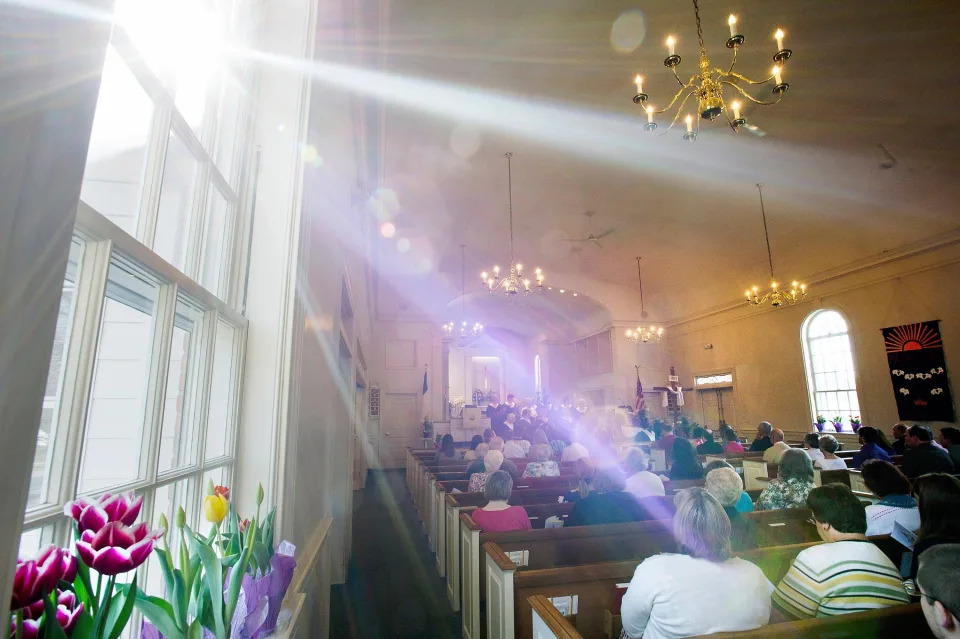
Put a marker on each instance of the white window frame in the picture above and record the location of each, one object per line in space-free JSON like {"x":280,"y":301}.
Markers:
{"x":808,"y":364}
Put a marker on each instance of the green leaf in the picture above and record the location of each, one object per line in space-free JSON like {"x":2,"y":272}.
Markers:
{"x":195,"y":631}
{"x":213,"y":580}
{"x":99,"y":619}
{"x":159,"y":613}
{"x":268,"y":526}
{"x":81,"y":585}
{"x":165,"y":569}
{"x":261,"y":555}
{"x":123,"y":615}
{"x":84,"y":624}
{"x":236,"y":577}
{"x":51,"y":629}
{"x":180,"y":599}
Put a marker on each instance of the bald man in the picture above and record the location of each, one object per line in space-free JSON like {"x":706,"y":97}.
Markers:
{"x":773,"y":454}
{"x":762,"y":441}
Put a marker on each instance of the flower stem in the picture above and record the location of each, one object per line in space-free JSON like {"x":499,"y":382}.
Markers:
{"x":96,"y":598}
{"x":19,"y":631}
{"x":107,"y":599}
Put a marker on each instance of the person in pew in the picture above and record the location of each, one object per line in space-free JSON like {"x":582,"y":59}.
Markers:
{"x":608,"y":503}
{"x":685,"y":463}
{"x":828,"y":446}
{"x":940,"y":590}
{"x":585,"y":472}
{"x":702,"y":589}
{"x":725,"y":484}
{"x":896,"y":505}
{"x":575,"y":450}
{"x":811,"y":446}
{"x":950,"y":439}
{"x":762,"y":441}
{"x":514,"y":448}
{"x":938,"y":497}
{"x":710,"y":445}
{"x":476,"y":466}
{"x":665,"y":442}
{"x":744,"y":503}
{"x":793,"y":483}
{"x":846,"y":574}
{"x":497,"y":443}
{"x":448,"y":449}
{"x":873,"y":445}
{"x":492,"y":462}
{"x":471,"y":454}
{"x":922,"y":455}
{"x":899,"y":439}
{"x":641,"y":482}
{"x":498,"y":515}
{"x":524,"y":426}
{"x":773,"y":454}
{"x":731,"y":441}
{"x":540,"y":464}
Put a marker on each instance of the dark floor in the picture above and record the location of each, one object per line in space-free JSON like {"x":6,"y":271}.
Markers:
{"x":392,"y":587}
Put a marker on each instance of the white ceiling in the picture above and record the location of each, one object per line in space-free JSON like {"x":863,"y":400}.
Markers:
{"x":541,"y":78}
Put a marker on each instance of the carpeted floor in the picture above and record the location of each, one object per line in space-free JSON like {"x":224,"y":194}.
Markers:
{"x":392,"y":587}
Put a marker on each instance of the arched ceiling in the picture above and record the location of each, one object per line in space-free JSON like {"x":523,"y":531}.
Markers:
{"x":541,"y":78}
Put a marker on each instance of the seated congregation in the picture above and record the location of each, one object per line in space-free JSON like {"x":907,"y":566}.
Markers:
{"x":845,"y":564}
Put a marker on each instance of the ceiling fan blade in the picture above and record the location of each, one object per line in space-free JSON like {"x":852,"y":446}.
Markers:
{"x":610,"y":231}
{"x":582,"y":239}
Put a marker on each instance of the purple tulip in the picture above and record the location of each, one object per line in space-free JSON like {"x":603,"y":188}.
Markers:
{"x":36,"y":578}
{"x":116,"y":548}
{"x":68,"y":610}
{"x":95,"y":514}
{"x":30,"y":628}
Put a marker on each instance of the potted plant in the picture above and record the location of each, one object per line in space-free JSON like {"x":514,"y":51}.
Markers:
{"x":855,"y":423}
{"x":837,"y":423}
{"x":819,"y":424}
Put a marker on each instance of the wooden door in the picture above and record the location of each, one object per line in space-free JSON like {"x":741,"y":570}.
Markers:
{"x":710,"y":407}
{"x":399,"y":428}
{"x":728,"y":408}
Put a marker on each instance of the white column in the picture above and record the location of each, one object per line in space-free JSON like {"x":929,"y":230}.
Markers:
{"x":49,"y":83}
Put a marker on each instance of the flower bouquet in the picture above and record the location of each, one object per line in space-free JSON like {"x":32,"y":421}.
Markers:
{"x":819,"y":424}
{"x":837,"y":423}
{"x":427,"y":428}
{"x":855,"y":423}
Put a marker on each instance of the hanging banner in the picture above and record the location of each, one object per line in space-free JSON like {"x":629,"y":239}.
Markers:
{"x":919,"y":372}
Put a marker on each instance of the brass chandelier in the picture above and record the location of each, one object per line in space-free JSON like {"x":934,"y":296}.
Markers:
{"x":707,"y":85}
{"x":643,"y":334}
{"x":514,"y":282}
{"x":776,"y":296}
{"x":465,"y":331}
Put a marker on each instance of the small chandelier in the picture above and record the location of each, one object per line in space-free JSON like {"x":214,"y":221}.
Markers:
{"x":464,"y":330}
{"x":643,"y":333}
{"x":776,"y":296}
{"x":514,"y":282}
{"x":707,"y":85}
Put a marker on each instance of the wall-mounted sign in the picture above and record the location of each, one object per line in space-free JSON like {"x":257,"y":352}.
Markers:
{"x":919,"y":372}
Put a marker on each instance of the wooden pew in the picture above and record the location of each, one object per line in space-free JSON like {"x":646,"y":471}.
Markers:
{"x":896,"y":622}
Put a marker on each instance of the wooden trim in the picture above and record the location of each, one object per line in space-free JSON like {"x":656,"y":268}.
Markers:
{"x":307,"y":561}
{"x":828,"y":626}
{"x":499,"y":557}
{"x":582,"y":572}
{"x":467,"y":522}
{"x":556,"y":622}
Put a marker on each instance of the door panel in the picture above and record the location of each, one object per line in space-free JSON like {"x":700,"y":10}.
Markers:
{"x":399,"y":428}
{"x":728,"y":408}
{"x":709,"y":408}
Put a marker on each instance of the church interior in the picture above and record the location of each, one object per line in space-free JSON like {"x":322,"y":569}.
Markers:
{"x":293,"y":293}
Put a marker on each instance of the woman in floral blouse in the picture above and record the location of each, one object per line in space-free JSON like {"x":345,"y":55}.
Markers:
{"x":540,"y":464}
{"x":792,"y":485}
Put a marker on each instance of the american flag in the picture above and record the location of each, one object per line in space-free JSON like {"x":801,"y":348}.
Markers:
{"x":640,"y":404}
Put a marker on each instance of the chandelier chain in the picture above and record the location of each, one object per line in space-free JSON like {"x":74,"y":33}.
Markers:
{"x":766,"y":234}
{"x":463,"y":279}
{"x":696,"y":13}
{"x":510,"y":202}
{"x":640,"y":279}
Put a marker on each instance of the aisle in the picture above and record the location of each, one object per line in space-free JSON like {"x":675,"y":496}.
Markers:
{"x":392,"y":587}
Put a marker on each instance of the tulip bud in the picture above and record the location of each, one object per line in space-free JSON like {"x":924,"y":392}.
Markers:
{"x":210,"y":487}
{"x":259,"y":493}
{"x":181,"y":518}
{"x":162,"y":523}
{"x":215,"y":508}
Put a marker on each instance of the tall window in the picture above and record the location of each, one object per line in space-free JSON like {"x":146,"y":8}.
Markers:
{"x":142,"y":391}
{"x":831,"y":377}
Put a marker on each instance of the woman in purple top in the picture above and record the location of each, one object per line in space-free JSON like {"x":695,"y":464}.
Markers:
{"x":873,"y":445}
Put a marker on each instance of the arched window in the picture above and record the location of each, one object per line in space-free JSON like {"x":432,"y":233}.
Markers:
{"x":831,"y":379}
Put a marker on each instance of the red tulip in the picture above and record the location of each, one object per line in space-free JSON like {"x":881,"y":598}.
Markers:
{"x":68,"y":610}
{"x":36,"y":578}
{"x":116,"y":548}
{"x":93,"y":514}
{"x":244,"y":525}
{"x":222,"y":490}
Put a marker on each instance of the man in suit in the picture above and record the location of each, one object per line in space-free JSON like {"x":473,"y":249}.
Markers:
{"x":762,"y":441}
{"x":899,"y":438}
{"x":922,"y":455}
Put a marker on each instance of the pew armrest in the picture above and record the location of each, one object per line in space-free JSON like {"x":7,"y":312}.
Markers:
{"x":548,"y":623}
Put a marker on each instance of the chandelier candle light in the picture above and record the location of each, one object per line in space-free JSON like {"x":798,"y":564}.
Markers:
{"x":643,"y":333}
{"x":707,"y":85}
{"x":465,"y":330}
{"x":775,"y":295}
{"x":514,"y":282}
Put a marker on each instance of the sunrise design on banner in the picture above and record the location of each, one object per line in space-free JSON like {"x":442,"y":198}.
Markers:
{"x":919,"y":372}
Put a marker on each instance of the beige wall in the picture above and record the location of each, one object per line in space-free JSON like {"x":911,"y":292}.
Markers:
{"x":762,"y":347}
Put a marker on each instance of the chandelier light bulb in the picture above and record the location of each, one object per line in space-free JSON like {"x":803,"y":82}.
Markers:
{"x":736,"y":109}
{"x":689,"y":121}
{"x":732,"y":21}
{"x":777,"y":74}
{"x":671,"y":45}
{"x":779,"y":37}
{"x":639,"y":82}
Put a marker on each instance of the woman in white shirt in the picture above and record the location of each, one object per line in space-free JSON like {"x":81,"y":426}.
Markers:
{"x":829,"y":445}
{"x":703,"y":589}
{"x":811,"y":446}
{"x":641,"y":482}
{"x":896,"y":505}
{"x":575,"y":450}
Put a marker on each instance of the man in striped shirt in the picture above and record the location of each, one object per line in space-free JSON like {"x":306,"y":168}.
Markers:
{"x":846,"y":574}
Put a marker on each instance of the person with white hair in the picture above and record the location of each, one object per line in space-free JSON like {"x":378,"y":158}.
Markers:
{"x":498,"y":515}
{"x":491,"y":464}
{"x":641,"y":482}
{"x":829,"y":445}
{"x":730,"y":594}
{"x":727,"y":487}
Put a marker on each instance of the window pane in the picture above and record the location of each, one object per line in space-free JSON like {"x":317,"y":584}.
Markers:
{"x":219,"y":476}
{"x":167,"y":501}
{"x":222,"y":393}
{"x":214,"y":242}
{"x":115,"y":421}
{"x":227,"y":126}
{"x":177,"y":440}
{"x":118,"y":145}
{"x":176,"y":203}
{"x":47,"y":434}
{"x":34,"y":540}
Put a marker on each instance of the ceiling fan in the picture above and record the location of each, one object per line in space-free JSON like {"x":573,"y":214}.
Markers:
{"x":591,"y":236}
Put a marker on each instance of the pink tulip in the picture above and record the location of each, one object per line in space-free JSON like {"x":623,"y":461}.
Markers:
{"x":29,"y":630}
{"x":36,"y":578}
{"x":116,"y":548}
{"x":68,"y":610}
{"x":95,"y":514}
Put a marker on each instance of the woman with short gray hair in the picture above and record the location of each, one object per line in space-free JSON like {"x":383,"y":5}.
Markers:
{"x":498,"y":515}
{"x":657,"y":603}
{"x":727,"y":487}
{"x":641,"y":483}
{"x":491,"y":463}
{"x":829,"y":445}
